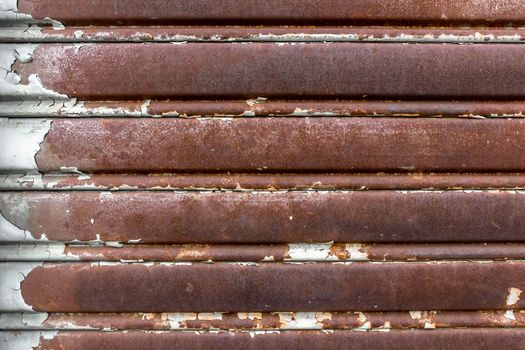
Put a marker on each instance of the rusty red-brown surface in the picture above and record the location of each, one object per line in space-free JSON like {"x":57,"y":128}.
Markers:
{"x":268,"y":182}
{"x":283,"y":145}
{"x":222,"y":217}
{"x":223,"y":287}
{"x":271,"y":11}
{"x":479,"y":339}
{"x":296,"y":193}
{"x":317,"y":70}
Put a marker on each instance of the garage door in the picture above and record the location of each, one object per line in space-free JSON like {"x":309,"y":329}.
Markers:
{"x":262,"y":174}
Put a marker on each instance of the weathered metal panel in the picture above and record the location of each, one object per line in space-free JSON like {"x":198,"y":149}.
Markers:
{"x":241,"y":287}
{"x":307,"y":70}
{"x":279,"y":217}
{"x":295,"y":193}
{"x":292,"y":252}
{"x":257,"y":11}
{"x":276,"y":321}
{"x":266,"y":182}
{"x":287,"y":145}
{"x":438,"y":339}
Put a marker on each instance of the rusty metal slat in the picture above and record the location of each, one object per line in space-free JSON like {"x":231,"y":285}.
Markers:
{"x":361,"y":321}
{"x":263,"y":145}
{"x":261,"y":108}
{"x":229,"y":70}
{"x":279,"y":217}
{"x":241,"y":287}
{"x":43,"y":33}
{"x":265,"y":182}
{"x":479,"y":339}
{"x":272,"y":11}
{"x":293,"y":252}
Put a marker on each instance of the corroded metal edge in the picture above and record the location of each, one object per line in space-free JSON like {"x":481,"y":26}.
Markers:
{"x":260,"y":107}
{"x":23,"y":32}
{"x":252,"y":182}
{"x":294,"y":252}
{"x":356,"y":320}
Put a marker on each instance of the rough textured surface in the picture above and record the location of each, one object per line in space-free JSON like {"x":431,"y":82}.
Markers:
{"x":283,"y":145}
{"x":295,"y":193}
{"x":223,"y":287}
{"x":229,"y":70}
{"x":257,"y":11}
{"x":221,"y":217}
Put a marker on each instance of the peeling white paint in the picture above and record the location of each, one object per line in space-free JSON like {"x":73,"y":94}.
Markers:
{"x":36,"y":252}
{"x":24,"y":340}
{"x":310,"y":251}
{"x":357,"y":252}
{"x":20,"y":142}
{"x":11,"y":276}
{"x":32,"y":179}
{"x":209,"y":316}
{"x":11,"y":233}
{"x":175,"y":319}
{"x":415,"y":315}
{"x":25,"y":321}
{"x":303,"y":320}
{"x":514,"y":296}
{"x":429,"y":325}
{"x":11,"y":81}
{"x":252,"y":316}
{"x":509,"y":314}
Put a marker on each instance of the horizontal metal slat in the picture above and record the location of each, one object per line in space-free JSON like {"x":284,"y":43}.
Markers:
{"x":257,"y":11}
{"x":240,"y":287}
{"x":289,"y":217}
{"x":359,"y":321}
{"x":263,"y":145}
{"x":479,"y":339}
{"x":19,"y":32}
{"x":293,"y":252}
{"x":265,"y":182}
{"x":261,"y":108}
{"x":229,"y":70}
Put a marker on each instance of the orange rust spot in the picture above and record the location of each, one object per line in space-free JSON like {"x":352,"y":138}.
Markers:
{"x":339,"y":250}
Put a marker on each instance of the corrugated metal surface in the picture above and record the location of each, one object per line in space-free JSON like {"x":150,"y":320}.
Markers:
{"x":262,"y":174}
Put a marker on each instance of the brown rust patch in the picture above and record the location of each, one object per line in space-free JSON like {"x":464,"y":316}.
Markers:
{"x":339,"y":250}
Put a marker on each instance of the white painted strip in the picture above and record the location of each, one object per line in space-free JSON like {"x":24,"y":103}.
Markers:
{"x":36,"y":252}
{"x":11,"y":276}
{"x":23,"y":321}
{"x":310,"y":251}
